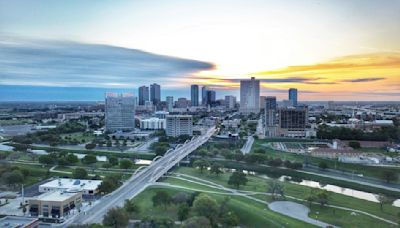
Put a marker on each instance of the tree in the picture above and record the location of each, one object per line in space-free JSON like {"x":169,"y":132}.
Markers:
{"x":180,"y":197}
{"x":109,"y":183}
{"x":72,"y":159}
{"x":183,"y":211}
{"x":389,"y":176}
{"x":382,"y":199}
{"x":89,"y":159}
{"x":323,"y":165}
{"x":201,"y":163}
{"x":237,"y":178}
{"x":125,"y":164}
{"x":216,"y":168}
{"x":131,"y":207}
{"x":276,"y":189}
{"x":310,"y":198}
{"x":355,"y":144}
{"x":113,"y":160}
{"x":46,"y":159}
{"x":13,"y":178}
{"x":230,"y":219}
{"x":79,"y":173}
{"x":206,"y":206}
{"x":197,"y":222}
{"x":161,"y":198}
{"x":109,"y":143}
{"x":90,"y":146}
{"x":322,"y":197}
{"x":116,"y":217}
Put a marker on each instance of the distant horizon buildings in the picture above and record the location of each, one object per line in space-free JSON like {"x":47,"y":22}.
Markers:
{"x":293,"y":96}
{"x":143,"y":95}
{"x":230,"y":102}
{"x":194,"y":95}
{"x":204,"y":95}
{"x":155,"y":93}
{"x":119,"y":112}
{"x":250,"y":96}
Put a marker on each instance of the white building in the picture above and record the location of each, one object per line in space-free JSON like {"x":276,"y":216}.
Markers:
{"x":250,"y":96}
{"x":88,"y":187}
{"x":152,"y":124}
{"x":119,"y":112}
{"x":179,"y":125}
{"x":161,"y":114}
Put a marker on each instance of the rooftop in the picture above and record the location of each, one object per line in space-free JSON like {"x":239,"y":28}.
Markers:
{"x":67,"y":183}
{"x":16,"y":221}
{"x":56,"y":196}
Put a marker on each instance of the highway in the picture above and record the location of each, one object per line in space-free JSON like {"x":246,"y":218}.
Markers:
{"x":139,"y":181}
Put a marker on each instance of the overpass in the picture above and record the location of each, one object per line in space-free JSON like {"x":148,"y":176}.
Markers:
{"x":139,"y":181}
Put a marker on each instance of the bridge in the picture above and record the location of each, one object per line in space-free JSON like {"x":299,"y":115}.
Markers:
{"x":139,"y":181}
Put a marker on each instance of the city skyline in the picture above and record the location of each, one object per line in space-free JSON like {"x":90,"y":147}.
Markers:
{"x":328,"y":50}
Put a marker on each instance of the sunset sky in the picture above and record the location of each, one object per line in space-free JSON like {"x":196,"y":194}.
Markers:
{"x":328,"y":49}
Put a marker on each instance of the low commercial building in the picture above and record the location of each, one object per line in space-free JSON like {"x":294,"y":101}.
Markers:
{"x":19,"y":222}
{"x":55,"y":205}
{"x":152,"y":124}
{"x":87,"y":187}
{"x":178,"y":125}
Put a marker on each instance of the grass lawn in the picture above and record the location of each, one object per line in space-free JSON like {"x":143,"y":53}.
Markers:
{"x":86,"y":137}
{"x":250,"y":213}
{"x":259,"y":184}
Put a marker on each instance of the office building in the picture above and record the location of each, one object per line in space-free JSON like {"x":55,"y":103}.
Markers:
{"x":178,"y":125}
{"x":119,"y":112}
{"x":87,"y":187}
{"x":143,"y":95}
{"x":55,"y":204}
{"x":210,"y":97}
{"x":293,"y":121}
{"x":182,"y":103}
{"x":155,"y":93}
{"x":194,"y":95}
{"x":170,"y":103}
{"x":293,"y":96}
{"x":250,"y":96}
{"x":270,"y":111}
{"x":204,"y":90}
{"x":19,"y":222}
{"x":230,"y":102}
{"x":152,"y":124}
{"x":262,"y":102}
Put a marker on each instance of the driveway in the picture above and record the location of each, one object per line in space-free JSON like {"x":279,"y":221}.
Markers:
{"x":297,"y":211}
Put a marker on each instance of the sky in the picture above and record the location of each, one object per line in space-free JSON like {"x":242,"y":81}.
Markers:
{"x":329,"y":50}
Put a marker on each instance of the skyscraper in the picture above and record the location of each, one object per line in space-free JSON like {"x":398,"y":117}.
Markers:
{"x":194,"y":95}
{"x":210,"y":97}
{"x":143,"y":95}
{"x":250,"y":96}
{"x":170,"y":103}
{"x":270,"y":111}
{"x":155,"y":93}
{"x":204,"y":95}
{"x":293,"y":96}
{"x":230,"y":102}
{"x":119,"y":112}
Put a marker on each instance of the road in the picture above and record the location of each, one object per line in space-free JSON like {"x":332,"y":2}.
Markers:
{"x":137,"y":183}
{"x":247,"y":146}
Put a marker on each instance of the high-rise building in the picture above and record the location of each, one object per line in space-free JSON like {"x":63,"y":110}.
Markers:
{"x":178,"y":125}
{"x":250,"y":96}
{"x":270,"y":111}
{"x":182,"y":103}
{"x":211,"y":97}
{"x":293,"y":96}
{"x":194,"y":95}
{"x":155,"y":93}
{"x":119,"y":112}
{"x":293,"y":122}
{"x":143,"y":95}
{"x":170,"y":103}
{"x":262,"y":102}
{"x":230,"y":102}
{"x":204,"y":90}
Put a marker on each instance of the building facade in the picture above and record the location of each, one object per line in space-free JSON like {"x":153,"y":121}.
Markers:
{"x":170,"y":103}
{"x":204,"y":90}
{"x":155,"y":93}
{"x":119,"y":112}
{"x":178,"y":125}
{"x":293,"y":122}
{"x":293,"y":96}
{"x":250,"y":96}
{"x":194,"y":95}
{"x":143,"y":95}
{"x":230,"y":102}
{"x":152,"y":124}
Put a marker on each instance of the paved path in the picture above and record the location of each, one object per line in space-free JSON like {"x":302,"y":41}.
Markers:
{"x":247,"y":146}
{"x":297,"y":211}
